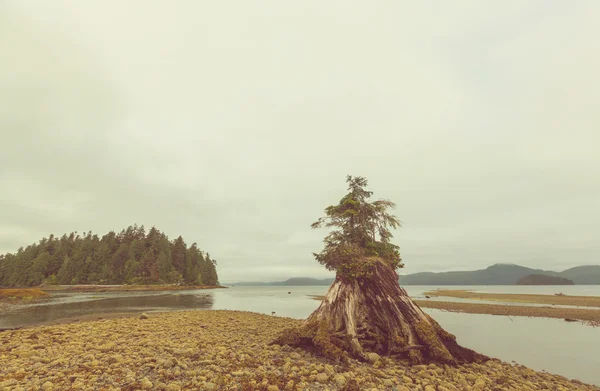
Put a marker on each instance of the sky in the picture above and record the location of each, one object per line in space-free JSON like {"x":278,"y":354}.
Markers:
{"x":234,"y":124}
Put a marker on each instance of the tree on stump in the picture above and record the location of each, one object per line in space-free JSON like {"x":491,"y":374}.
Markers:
{"x":365,"y":310}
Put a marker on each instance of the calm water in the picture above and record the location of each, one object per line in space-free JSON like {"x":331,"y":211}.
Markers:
{"x":569,"y":349}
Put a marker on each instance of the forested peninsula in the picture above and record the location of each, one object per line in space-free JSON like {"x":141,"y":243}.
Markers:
{"x":131,"y":256}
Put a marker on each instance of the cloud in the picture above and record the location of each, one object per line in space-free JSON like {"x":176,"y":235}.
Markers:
{"x":234,"y":125}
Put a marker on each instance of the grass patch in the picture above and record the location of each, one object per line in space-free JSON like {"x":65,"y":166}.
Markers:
{"x":25,"y":293}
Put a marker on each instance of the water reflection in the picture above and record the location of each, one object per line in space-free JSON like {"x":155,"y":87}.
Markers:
{"x":568,"y":349}
{"x":49,"y":311}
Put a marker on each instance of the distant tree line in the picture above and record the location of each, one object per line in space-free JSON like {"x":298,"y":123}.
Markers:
{"x":129,"y":257}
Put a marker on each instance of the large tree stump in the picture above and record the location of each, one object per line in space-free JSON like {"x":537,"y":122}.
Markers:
{"x":376,"y":315}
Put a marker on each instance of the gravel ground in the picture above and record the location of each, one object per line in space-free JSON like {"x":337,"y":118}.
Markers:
{"x":222,"y":350}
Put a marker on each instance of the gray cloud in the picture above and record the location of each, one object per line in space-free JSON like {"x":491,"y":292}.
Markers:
{"x":234,"y":124}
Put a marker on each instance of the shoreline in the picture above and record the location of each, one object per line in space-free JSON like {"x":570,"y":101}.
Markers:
{"x":556,"y":299}
{"x":125,"y":288}
{"x":586,"y":316}
{"x":223,"y":350}
{"x":590,"y":317}
{"x":11,"y":298}
{"x":77,"y":319}
{"x":22,"y":293}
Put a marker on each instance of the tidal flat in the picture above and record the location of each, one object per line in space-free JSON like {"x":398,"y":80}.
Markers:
{"x":13,"y":298}
{"x":21,"y":293}
{"x":556,"y":299}
{"x":126,"y":288}
{"x":585,"y":315}
{"x":223,"y":350}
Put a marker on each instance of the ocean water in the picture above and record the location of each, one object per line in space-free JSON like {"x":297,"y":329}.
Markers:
{"x":568,"y":349}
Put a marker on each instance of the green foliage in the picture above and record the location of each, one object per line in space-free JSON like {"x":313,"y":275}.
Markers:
{"x":174,"y":277}
{"x":361,"y":233}
{"x":131,"y":256}
{"x":51,"y":280}
{"x":178,"y":255}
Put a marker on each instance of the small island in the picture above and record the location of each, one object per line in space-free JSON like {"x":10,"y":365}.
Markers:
{"x":540,"y":279}
{"x":132,"y":259}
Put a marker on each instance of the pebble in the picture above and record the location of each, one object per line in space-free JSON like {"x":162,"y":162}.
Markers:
{"x":295,"y":356}
{"x":373,"y":357}
{"x":146,"y":384}
{"x":340,"y":380}
{"x":214,"y":350}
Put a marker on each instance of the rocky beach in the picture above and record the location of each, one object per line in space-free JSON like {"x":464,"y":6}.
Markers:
{"x":223,"y":350}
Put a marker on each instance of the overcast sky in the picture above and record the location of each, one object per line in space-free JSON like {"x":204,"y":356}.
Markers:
{"x":234,"y":123}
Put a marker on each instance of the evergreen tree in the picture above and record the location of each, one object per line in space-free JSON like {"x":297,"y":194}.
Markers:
{"x":178,"y":255}
{"x":164,"y":266}
{"x":38,"y":268}
{"x":132,"y":274}
{"x":131,"y":256}
{"x":63,"y":273}
{"x":192,"y":265}
{"x":117,"y":261}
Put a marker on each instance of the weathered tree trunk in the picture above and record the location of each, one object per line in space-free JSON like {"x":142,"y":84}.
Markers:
{"x":375,"y":315}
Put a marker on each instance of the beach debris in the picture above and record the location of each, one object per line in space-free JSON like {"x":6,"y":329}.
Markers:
{"x":143,"y":316}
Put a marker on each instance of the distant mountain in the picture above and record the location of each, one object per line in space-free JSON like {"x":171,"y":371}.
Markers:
{"x":296,"y":281}
{"x":300,"y":281}
{"x":540,"y":279}
{"x":583,"y":275}
{"x":500,"y":274}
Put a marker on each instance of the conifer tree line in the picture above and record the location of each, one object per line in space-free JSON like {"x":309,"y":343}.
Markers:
{"x":129,"y":257}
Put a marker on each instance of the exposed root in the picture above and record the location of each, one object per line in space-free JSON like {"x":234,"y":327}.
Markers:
{"x":375,"y":316}
{"x":318,"y":335}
